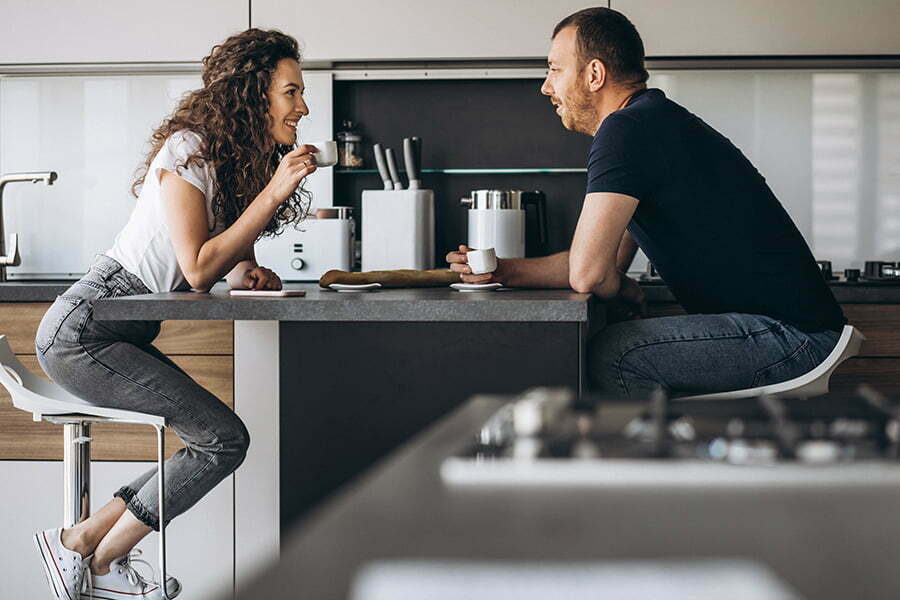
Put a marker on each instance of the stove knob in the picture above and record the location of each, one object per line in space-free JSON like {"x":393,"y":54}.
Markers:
{"x":873,"y":269}
{"x":818,"y":451}
{"x":851,"y":275}
{"x":297,"y":264}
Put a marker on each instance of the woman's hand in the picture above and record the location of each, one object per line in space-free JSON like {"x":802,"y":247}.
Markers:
{"x":294,"y":166}
{"x":459,"y":263}
{"x":261,"y":278}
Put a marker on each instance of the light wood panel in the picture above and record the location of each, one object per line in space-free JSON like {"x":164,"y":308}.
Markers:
{"x":23,"y":439}
{"x":881,"y":325}
{"x":19,"y":322}
{"x":196,"y":337}
{"x":202,"y":348}
{"x":881,"y":373}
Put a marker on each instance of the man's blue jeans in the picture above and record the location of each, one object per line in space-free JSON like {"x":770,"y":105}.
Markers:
{"x":698,"y":354}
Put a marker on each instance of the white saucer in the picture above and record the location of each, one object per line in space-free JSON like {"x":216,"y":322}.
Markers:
{"x":476,"y":287}
{"x":349,"y":287}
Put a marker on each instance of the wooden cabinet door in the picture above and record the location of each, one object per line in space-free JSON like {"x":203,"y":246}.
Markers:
{"x":204,"y":349}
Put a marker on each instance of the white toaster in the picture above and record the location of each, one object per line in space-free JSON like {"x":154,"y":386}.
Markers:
{"x":321,"y":244}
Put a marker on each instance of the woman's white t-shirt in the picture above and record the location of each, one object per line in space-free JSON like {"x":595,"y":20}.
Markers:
{"x":144,"y":246}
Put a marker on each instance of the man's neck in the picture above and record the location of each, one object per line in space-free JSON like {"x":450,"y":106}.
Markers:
{"x":616,"y":100}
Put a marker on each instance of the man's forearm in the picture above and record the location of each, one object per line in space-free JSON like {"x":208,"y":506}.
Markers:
{"x":625,"y":254}
{"x":543,"y":272}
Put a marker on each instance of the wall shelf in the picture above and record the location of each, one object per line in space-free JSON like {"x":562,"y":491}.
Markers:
{"x":471,"y":171}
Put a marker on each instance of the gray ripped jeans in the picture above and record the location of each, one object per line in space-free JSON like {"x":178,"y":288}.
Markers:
{"x":701,"y":354}
{"x":114,"y":364}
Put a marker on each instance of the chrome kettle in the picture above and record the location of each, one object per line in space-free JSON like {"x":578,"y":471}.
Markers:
{"x":513,"y":222}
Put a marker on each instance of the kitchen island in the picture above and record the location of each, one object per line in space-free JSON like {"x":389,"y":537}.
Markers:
{"x":402,"y":528}
{"x":331,"y":323}
{"x":331,"y":382}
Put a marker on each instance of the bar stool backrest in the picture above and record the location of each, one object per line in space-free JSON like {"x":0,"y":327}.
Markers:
{"x":812,"y":383}
{"x":30,"y":392}
{"x":43,"y":397}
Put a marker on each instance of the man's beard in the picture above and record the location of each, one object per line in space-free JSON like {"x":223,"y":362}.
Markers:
{"x":581,"y":117}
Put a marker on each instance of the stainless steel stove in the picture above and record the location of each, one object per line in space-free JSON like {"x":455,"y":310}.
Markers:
{"x":539,"y":439}
{"x":877,"y":272}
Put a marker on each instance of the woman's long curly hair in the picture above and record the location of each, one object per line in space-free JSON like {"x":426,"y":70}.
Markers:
{"x":230,"y":113}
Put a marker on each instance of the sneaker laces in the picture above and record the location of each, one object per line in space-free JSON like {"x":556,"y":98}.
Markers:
{"x":126,"y":564}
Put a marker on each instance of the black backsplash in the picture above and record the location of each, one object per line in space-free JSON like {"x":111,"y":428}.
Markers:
{"x":467,"y":124}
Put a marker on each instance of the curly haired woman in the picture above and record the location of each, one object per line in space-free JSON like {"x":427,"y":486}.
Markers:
{"x":221,"y":173}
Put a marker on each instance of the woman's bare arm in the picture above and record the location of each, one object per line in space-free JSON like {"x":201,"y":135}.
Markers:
{"x":205,"y":260}
{"x":202,"y":259}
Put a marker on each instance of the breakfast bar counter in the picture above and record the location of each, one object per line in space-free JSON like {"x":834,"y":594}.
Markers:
{"x":408,"y":305}
{"x":329,"y":383}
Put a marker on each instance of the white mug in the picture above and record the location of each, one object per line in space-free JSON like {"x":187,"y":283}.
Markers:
{"x":482,"y":261}
{"x":326,"y":153}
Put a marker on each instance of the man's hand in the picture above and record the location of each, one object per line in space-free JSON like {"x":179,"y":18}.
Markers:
{"x":631,"y":298}
{"x":459,"y":263}
{"x":261,"y":278}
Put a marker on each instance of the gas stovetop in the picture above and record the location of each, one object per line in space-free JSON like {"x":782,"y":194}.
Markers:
{"x":539,"y":439}
{"x":875,"y":272}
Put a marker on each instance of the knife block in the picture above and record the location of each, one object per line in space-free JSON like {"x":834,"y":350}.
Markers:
{"x":397,"y":229}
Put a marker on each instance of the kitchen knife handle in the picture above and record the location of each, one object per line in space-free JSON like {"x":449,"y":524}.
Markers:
{"x":417,"y":155}
{"x":382,"y":167}
{"x":417,"y":146}
{"x":392,"y":168}
{"x":409,"y":157}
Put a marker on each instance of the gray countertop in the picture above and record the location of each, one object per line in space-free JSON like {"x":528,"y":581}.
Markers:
{"x":826,"y":541}
{"x":32,"y":291}
{"x":423,"y":304}
{"x":845,"y":293}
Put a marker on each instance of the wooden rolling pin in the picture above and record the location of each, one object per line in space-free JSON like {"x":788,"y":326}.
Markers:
{"x":401,"y":278}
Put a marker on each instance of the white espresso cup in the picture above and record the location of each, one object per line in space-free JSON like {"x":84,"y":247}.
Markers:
{"x":482,"y":261}
{"x":326,"y":153}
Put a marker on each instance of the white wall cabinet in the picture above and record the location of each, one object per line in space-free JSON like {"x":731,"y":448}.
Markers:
{"x":361,"y":30}
{"x":88,"y":31}
{"x":764,"y":27}
{"x":200,"y":543}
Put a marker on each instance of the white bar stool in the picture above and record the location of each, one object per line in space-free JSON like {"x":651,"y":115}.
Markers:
{"x":813,"y":383}
{"x":46,"y":400}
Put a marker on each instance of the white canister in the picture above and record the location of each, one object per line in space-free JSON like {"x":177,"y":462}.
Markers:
{"x":397,"y":229}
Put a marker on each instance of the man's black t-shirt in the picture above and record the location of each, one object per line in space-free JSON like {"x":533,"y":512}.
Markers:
{"x":706,"y":218}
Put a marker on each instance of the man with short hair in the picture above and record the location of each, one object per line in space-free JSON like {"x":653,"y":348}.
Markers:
{"x":662,"y":179}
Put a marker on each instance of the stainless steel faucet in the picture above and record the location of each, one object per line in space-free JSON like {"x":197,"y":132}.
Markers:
{"x":12,"y":258}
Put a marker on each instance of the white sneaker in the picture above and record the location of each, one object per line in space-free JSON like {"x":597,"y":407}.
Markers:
{"x":64,"y":568}
{"x":123,"y":582}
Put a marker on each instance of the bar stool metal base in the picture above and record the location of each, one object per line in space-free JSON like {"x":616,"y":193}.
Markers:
{"x":77,"y":477}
